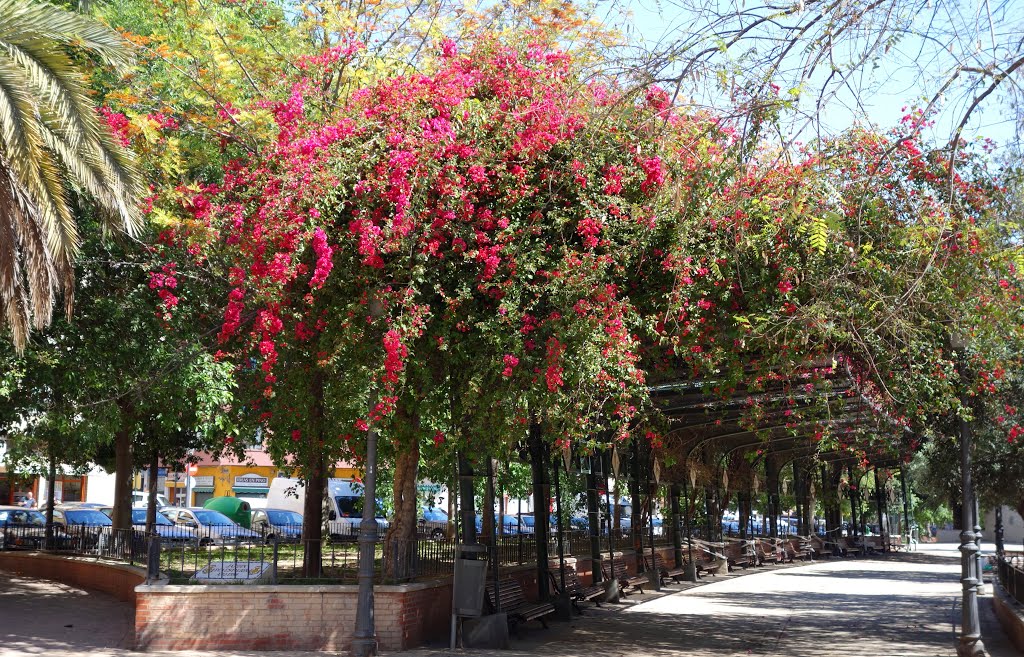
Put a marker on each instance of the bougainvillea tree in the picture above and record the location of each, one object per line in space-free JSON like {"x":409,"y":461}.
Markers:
{"x":455,"y":247}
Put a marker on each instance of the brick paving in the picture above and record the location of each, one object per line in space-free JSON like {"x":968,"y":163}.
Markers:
{"x":901,"y":605}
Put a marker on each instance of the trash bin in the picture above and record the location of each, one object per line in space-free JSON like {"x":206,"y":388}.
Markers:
{"x":238,"y":510}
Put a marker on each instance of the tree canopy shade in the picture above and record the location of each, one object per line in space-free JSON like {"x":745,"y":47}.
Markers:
{"x":52,"y":143}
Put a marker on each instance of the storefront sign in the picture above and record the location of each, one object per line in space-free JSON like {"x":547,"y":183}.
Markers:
{"x":251,"y":480}
{"x":203,"y":481}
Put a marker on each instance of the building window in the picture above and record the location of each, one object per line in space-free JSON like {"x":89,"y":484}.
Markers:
{"x":70,"y":489}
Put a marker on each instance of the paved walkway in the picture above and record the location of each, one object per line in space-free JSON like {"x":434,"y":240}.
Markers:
{"x":901,"y":605}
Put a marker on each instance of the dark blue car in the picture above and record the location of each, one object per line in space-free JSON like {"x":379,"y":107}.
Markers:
{"x":282,"y":524}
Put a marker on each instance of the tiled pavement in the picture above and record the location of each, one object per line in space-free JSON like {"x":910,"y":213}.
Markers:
{"x":900,"y":605}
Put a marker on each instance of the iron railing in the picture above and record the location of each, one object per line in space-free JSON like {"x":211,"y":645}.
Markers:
{"x":1010,"y":568}
{"x":278,"y":556}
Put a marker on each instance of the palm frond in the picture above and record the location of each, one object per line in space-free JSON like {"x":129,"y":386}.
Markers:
{"x":52,"y":142}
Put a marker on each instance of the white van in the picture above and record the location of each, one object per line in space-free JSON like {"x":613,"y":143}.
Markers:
{"x":343,"y":506}
{"x":140,"y":500}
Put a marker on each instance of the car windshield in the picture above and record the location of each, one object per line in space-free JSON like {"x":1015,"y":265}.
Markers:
{"x":19,"y":517}
{"x":139,"y":518}
{"x":352,"y":507}
{"x":208,"y":517}
{"x":87,"y":517}
{"x":527,"y":521}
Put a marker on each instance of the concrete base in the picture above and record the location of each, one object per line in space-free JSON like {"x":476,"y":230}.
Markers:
{"x":563,"y":608}
{"x":690,"y":572}
{"x":655,"y":579}
{"x":611,"y":591}
{"x":486,"y":632}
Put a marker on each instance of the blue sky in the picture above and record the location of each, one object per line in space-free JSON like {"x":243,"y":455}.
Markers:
{"x":909,"y":74}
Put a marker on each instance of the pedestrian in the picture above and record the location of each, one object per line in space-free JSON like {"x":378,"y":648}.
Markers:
{"x":30,"y":501}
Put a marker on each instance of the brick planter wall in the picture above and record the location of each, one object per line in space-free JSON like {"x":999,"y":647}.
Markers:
{"x":119,"y":580}
{"x":257,"y":617}
{"x":1010,"y":614}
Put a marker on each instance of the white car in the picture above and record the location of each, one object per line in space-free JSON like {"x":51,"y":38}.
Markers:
{"x":212,"y":527}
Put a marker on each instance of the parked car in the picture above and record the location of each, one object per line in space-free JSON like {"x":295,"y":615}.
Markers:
{"x":433,"y":524}
{"x":212,"y":527}
{"x":509,"y":524}
{"x":86,"y":525}
{"x":25,"y":529}
{"x":280,"y":523}
{"x":171,"y":535}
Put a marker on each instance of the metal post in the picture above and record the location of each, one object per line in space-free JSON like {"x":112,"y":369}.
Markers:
{"x":541,"y":494}
{"x":656,"y":581}
{"x":881,"y":510}
{"x":558,"y":516}
{"x":635,"y":521}
{"x":970,"y":634}
{"x":364,"y":641}
{"x":978,"y":566}
{"x":906,"y":505}
{"x":691,"y":571}
{"x":611,"y":516}
{"x":594,"y":516}
{"x":467,"y":516}
{"x":493,"y":547}
{"x":1000,"y":546}
{"x":273,"y":565}
{"x":677,"y":544}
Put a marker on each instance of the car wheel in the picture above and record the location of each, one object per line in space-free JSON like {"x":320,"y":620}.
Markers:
{"x":437,"y":535}
{"x":269,"y":540}
{"x":205,"y":541}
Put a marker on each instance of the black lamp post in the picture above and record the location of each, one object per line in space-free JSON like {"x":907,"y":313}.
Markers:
{"x":364,"y":641}
{"x":970,"y":635}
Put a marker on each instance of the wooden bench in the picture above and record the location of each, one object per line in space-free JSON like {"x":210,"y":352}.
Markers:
{"x":674,"y":574}
{"x":850,"y":547}
{"x":740,"y":553}
{"x":768,"y":550}
{"x":712,"y":556}
{"x":514,"y":603}
{"x":575,"y":589}
{"x":626,"y":581}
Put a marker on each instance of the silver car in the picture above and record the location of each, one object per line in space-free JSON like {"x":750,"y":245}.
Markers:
{"x":212,"y":527}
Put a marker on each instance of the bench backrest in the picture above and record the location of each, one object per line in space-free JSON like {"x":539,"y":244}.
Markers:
{"x":619,"y":570}
{"x":572,"y":579}
{"x":659,"y":562}
{"x":510,"y":594}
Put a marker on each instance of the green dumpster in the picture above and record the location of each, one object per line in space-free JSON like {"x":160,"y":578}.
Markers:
{"x":234,"y":508}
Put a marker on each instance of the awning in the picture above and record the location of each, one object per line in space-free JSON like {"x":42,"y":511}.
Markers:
{"x":251,"y":491}
{"x":202,"y":489}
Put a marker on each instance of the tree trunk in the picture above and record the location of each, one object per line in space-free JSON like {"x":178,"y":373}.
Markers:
{"x":123,"y":470}
{"x":467,"y":514}
{"x":400,"y":540}
{"x":51,"y":479}
{"x":316,"y":482}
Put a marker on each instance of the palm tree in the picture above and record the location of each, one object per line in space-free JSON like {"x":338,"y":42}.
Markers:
{"x":52,"y":146}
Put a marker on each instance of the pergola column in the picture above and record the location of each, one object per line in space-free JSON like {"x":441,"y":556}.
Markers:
{"x":594,"y":514}
{"x":771,"y":468}
{"x":541,"y":495}
{"x":677,"y":542}
{"x":636,"y":519}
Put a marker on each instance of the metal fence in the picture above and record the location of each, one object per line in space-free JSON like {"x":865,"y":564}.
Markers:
{"x":219,"y":554}
{"x":1010,"y":568}
{"x":126,"y":545}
